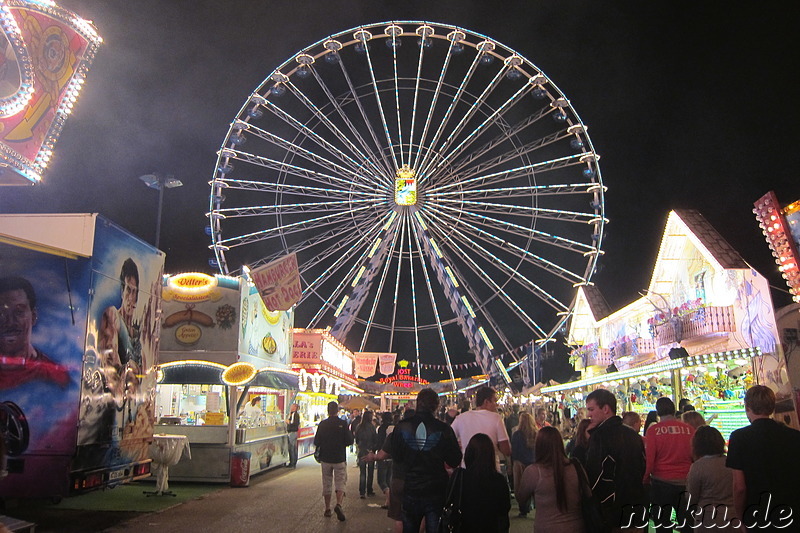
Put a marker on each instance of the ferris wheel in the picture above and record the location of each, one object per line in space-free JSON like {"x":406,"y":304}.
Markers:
{"x":442,"y":195}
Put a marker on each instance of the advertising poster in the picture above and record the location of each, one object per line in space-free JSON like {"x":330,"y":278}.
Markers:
{"x":265,"y":337}
{"x":43,"y":302}
{"x":307,"y":348}
{"x":200,"y":313}
{"x":118,"y":386}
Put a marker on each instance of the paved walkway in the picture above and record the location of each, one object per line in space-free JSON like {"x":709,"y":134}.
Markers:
{"x":282,"y":500}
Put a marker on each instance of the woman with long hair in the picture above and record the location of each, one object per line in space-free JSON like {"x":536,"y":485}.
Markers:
{"x":577,"y":446}
{"x":554,"y":483}
{"x":710,"y":482}
{"x":366,"y":441}
{"x":652,"y":418}
{"x":523,"y":441}
{"x":485,"y":499}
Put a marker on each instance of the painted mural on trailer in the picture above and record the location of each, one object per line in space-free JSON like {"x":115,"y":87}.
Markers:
{"x":118,"y":385}
{"x":43,"y":302}
{"x":265,"y":337}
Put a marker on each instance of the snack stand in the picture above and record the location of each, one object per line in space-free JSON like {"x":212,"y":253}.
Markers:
{"x":705,"y":330}
{"x":326,"y":371}
{"x":221,"y":348}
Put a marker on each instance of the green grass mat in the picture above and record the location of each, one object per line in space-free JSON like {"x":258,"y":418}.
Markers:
{"x":129,"y":497}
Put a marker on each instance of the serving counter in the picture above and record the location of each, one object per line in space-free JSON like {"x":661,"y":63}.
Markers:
{"x":211,"y":453}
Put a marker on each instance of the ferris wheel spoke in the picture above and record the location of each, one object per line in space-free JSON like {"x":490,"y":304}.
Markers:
{"x":381,"y":282}
{"x":294,"y":209}
{"x":365,"y":244}
{"x":556,"y":189}
{"x":513,"y":173}
{"x":382,"y":156}
{"x":438,"y":320}
{"x":300,"y":172}
{"x":413,"y":292}
{"x":271,"y":187}
{"x":468,"y":115}
{"x":337,"y":105}
{"x":389,"y":143}
{"x":517,"y":229}
{"x":472,"y":136}
{"x":503,"y":137}
{"x":323,"y":118}
{"x":531,"y":258}
{"x":397,"y":96}
{"x":450,"y":108}
{"x":320,"y":141}
{"x":505,"y":270}
{"x":353,"y":173}
{"x":403,"y":228}
{"x":313,"y":223}
{"x":435,"y":100}
{"x":523,"y":210}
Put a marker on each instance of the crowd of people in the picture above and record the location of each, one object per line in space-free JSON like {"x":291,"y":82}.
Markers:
{"x":670,"y":470}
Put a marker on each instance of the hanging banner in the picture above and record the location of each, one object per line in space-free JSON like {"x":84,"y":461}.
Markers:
{"x":387,"y":363}
{"x":278,"y":283}
{"x":365,"y":363}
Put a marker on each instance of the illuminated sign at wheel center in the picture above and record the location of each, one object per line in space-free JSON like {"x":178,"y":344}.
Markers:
{"x":405,"y":186}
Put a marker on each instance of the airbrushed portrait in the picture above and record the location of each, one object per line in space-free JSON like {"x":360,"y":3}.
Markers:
{"x":20,"y":361}
{"x":119,"y":338}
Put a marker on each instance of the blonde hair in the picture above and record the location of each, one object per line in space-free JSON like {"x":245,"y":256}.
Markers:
{"x":694,"y":419}
{"x":528,"y":429}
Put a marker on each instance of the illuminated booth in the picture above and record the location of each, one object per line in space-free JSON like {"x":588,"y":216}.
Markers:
{"x":225,"y":380}
{"x":326,"y":371}
{"x":705,"y":330}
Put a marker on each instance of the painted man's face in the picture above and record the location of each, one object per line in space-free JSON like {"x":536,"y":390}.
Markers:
{"x":16,"y":322}
{"x":130,"y":295}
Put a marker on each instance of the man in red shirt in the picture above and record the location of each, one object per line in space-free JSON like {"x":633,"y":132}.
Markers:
{"x":668,"y":447}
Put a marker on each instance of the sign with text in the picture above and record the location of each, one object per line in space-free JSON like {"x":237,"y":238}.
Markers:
{"x":278,"y":283}
{"x":387,"y":363}
{"x":306,"y":347}
{"x":365,"y":363}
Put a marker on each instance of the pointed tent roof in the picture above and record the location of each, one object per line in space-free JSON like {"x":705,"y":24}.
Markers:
{"x":683,"y":227}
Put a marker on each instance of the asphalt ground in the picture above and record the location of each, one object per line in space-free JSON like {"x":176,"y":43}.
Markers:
{"x":282,"y":500}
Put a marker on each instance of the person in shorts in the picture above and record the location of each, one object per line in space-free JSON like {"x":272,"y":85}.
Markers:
{"x":332,"y":438}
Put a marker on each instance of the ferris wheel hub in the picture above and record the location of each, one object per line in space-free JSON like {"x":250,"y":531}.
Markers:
{"x":405,"y":186}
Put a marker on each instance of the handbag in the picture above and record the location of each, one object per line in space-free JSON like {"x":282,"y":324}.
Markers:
{"x":316,"y":454}
{"x":450,"y":521}
{"x":593,"y":521}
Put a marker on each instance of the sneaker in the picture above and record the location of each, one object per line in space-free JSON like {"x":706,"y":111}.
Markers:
{"x":339,"y":513}
{"x":370,"y":494}
{"x":363,"y":497}
{"x":328,"y":513}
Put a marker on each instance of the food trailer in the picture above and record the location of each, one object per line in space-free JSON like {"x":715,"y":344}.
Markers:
{"x":225,"y":380}
{"x":80,"y":302}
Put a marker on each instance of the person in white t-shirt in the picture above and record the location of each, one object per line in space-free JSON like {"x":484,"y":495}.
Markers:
{"x":484,"y":420}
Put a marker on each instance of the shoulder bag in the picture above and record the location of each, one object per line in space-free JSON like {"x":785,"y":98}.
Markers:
{"x":450,"y":521}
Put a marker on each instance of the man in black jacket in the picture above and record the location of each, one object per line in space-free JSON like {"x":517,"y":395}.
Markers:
{"x":615,"y":464}
{"x":419,"y":447}
{"x":332,"y":438}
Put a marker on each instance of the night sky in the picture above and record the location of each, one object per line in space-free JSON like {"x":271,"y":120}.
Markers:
{"x":690,"y":105}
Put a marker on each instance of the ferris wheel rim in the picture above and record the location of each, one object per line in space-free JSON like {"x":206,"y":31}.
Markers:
{"x":595,"y":185}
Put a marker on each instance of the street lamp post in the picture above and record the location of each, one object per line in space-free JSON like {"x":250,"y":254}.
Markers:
{"x":160,"y":182}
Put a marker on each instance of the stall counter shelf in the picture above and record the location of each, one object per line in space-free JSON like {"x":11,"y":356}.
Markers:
{"x":211,"y":453}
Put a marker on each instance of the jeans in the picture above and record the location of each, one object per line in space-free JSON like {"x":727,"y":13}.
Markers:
{"x":384,"y":474}
{"x":665,"y":497}
{"x":366,"y":471}
{"x":416,"y":508}
{"x":292,"y":448}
